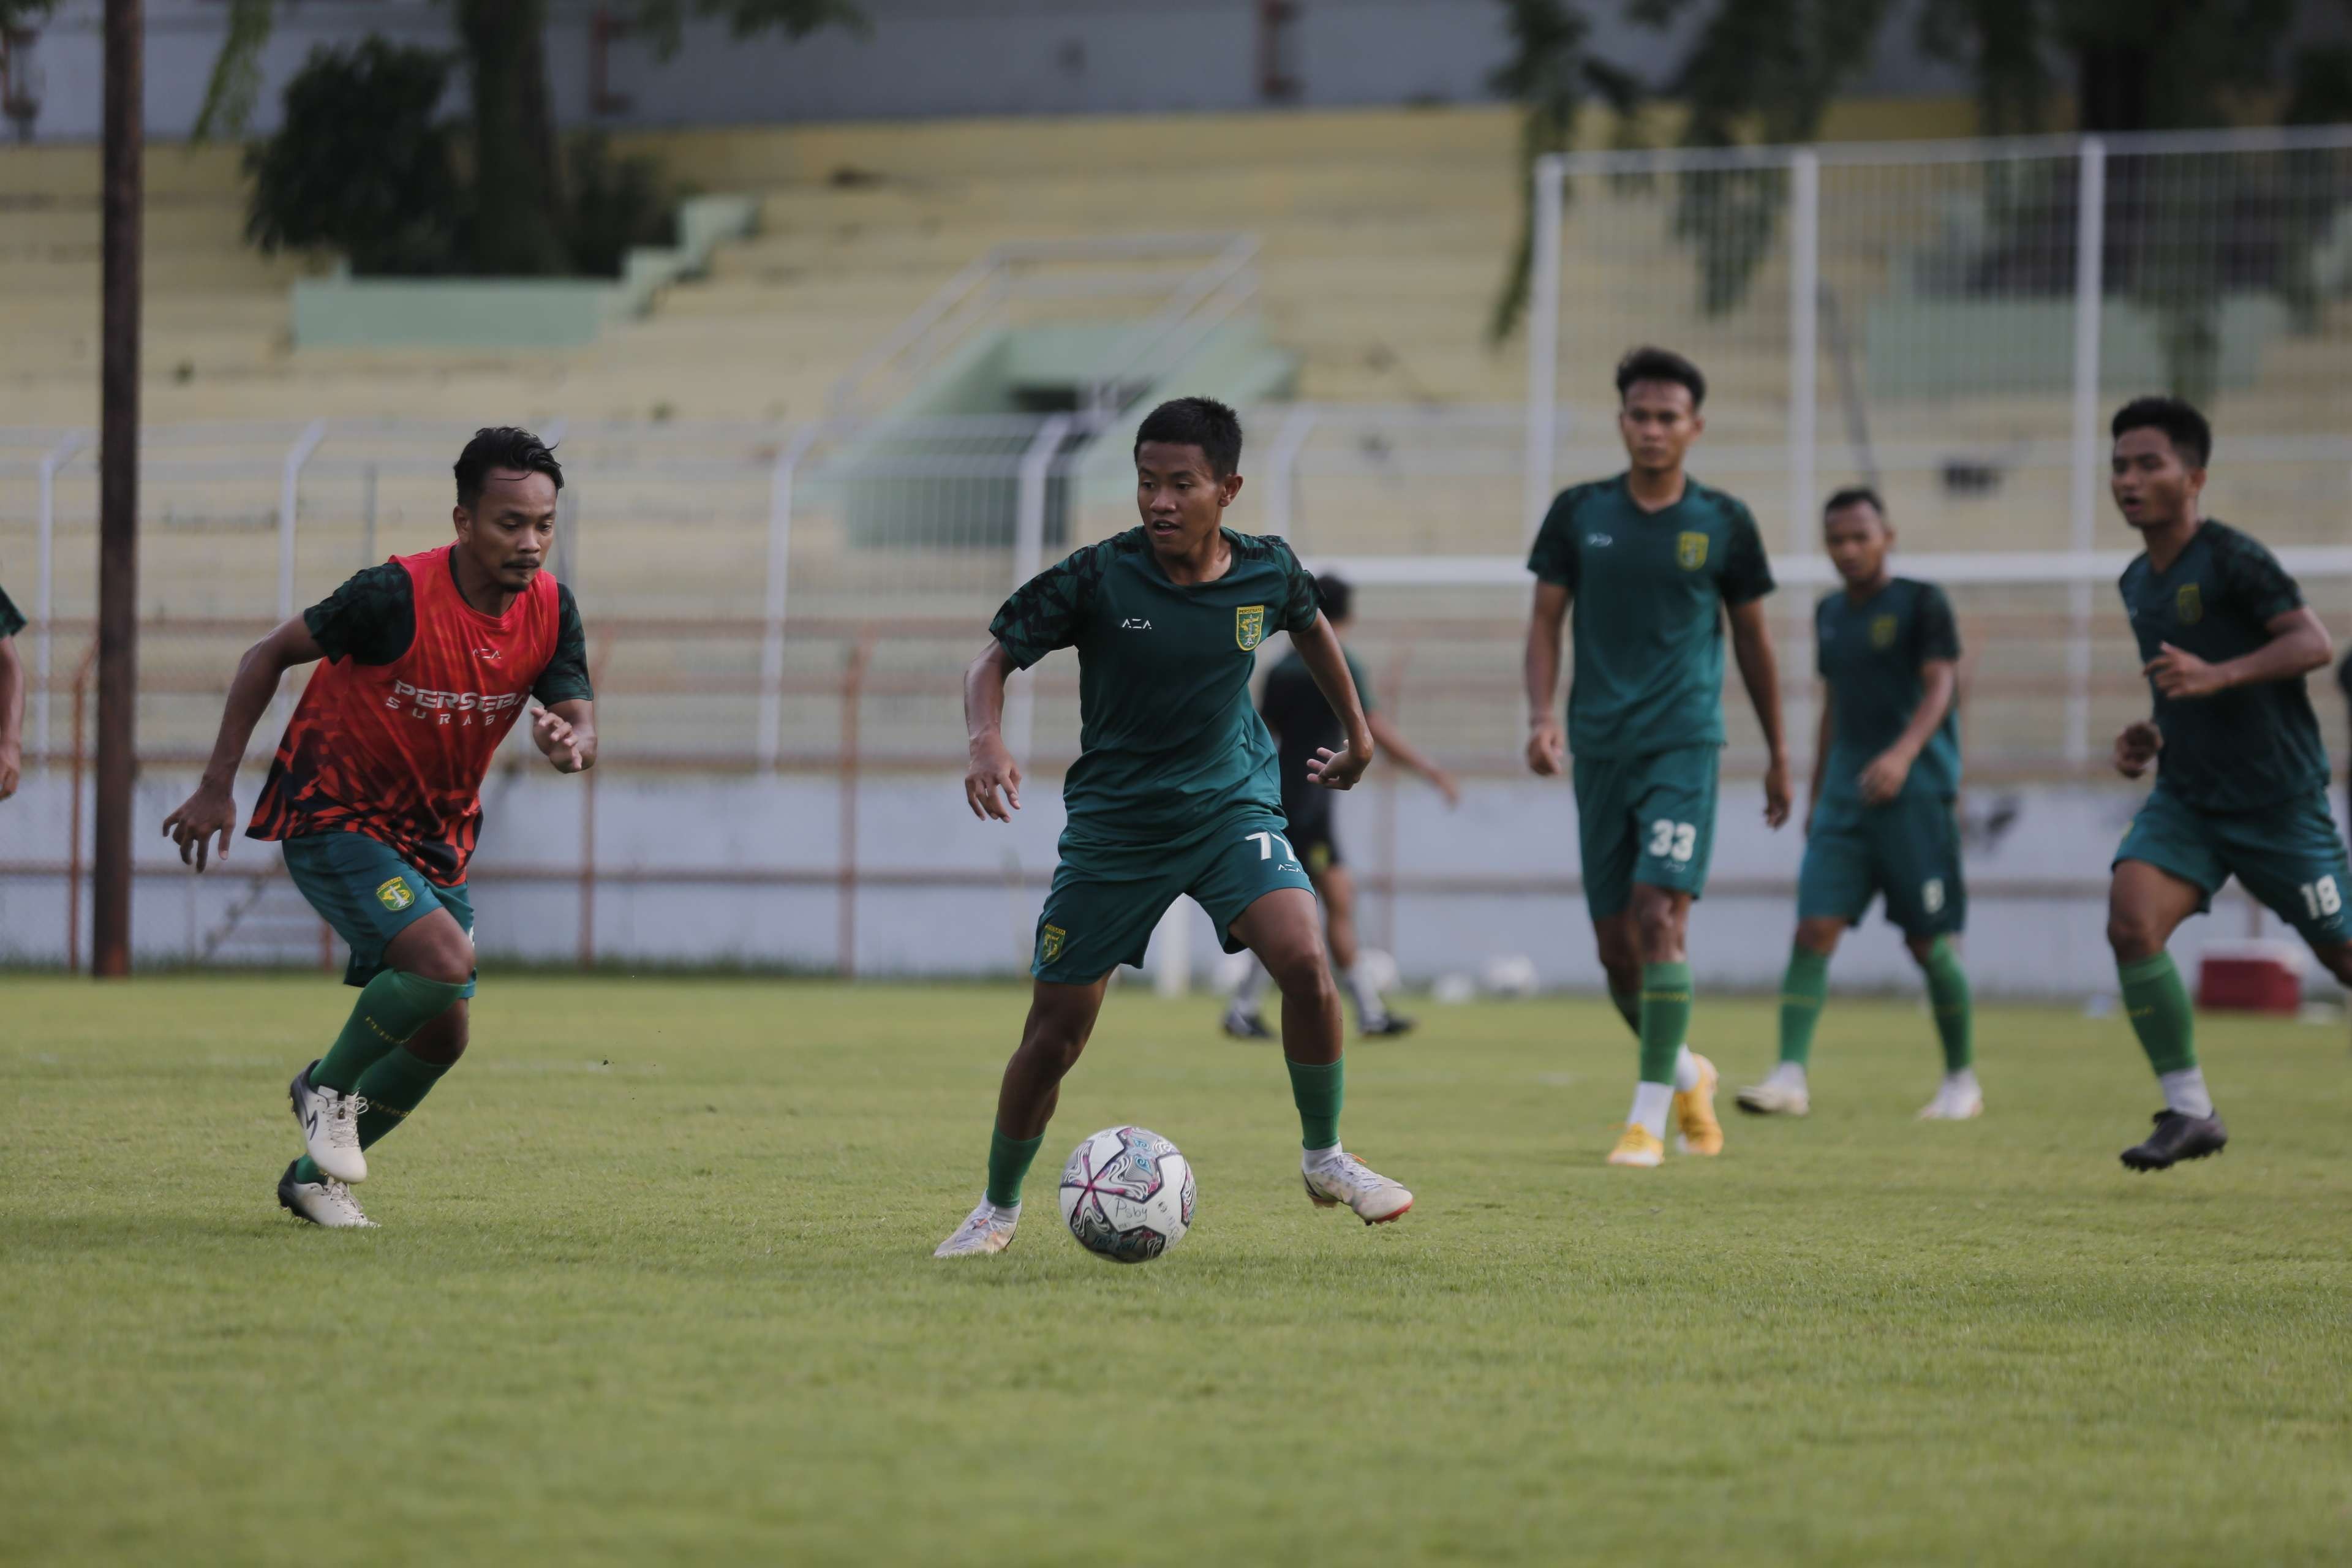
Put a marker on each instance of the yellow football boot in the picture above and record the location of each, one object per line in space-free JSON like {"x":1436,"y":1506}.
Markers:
{"x":1700,"y":1134}
{"x":1638,"y":1146}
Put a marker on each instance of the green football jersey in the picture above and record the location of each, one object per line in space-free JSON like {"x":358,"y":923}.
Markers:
{"x":2239,"y":750}
{"x":1169,"y":741}
{"x":1871,"y":654}
{"x":1647,"y":611}
{"x":11,"y":622}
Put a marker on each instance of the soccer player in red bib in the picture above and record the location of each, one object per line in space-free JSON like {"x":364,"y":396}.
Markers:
{"x":375,"y":790}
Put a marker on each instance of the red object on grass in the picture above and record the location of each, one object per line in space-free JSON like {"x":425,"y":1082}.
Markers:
{"x":2250,"y":977}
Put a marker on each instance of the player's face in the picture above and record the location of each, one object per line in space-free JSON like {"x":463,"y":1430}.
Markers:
{"x":2152,"y":485}
{"x":1857,"y":539}
{"x":1182,"y":498}
{"x":1659,"y":422}
{"x":510,"y":528}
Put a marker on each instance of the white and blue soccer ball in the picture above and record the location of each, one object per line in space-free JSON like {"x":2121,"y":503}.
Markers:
{"x":1127,"y":1194}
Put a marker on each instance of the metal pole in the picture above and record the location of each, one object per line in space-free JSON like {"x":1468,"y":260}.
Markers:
{"x":118,"y":485}
{"x":2089,"y":244}
{"x":1282,"y":472}
{"x":1543,"y":340}
{"x":1028,"y":559}
{"x":780,"y":555}
{"x":289,"y":493}
{"x":367,"y":516}
{"x":1804,"y":406}
{"x":45,"y":605}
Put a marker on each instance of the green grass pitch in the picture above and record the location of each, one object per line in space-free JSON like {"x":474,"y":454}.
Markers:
{"x":654,"y":1285}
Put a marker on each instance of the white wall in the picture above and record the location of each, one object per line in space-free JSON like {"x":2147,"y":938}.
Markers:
{"x":2034,"y":945}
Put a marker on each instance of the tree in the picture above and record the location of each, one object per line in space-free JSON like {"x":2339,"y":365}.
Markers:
{"x":519,"y":216}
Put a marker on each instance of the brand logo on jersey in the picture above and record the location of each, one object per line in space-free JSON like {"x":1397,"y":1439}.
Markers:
{"x":396,"y":895}
{"x":1690,"y":551}
{"x":470,"y":707}
{"x":1135,"y":624}
{"x":1049,"y":943}
{"x":1599,"y":541}
{"x":1249,"y":625}
{"x":487,"y":655}
{"x":2188,"y":604}
{"x":1882,"y":631}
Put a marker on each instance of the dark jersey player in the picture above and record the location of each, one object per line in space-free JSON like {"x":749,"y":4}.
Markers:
{"x":12,"y":699}
{"x":1654,"y":562}
{"x":1173,"y":792}
{"x":1303,"y":726}
{"x":1886,"y":771}
{"x":375,"y":790}
{"x":2225,"y":641}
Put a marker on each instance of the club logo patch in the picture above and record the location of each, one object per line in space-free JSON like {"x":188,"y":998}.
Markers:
{"x":1049,"y":943}
{"x":1882,"y":631}
{"x":1690,"y":551}
{"x":396,"y":894}
{"x":1249,"y":625}
{"x":2188,"y":604}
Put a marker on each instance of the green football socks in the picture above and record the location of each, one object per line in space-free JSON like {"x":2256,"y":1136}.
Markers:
{"x":1629,"y":1007}
{"x":395,"y":1086}
{"x":2160,"y":1013}
{"x":1665,"y":1018}
{"x":1948,"y":993}
{"x":1008,"y":1167}
{"x":1803,"y":988}
{"x":1318,"y":1088}
{"x":391,"y":1009}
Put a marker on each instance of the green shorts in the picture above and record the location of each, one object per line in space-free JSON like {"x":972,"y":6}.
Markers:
{"x":369,"y":895}
{"x":1645,"y":819}
{"x":2289,"y":855}
{"x":1107,"y":900}
{"x":1909,"y":849}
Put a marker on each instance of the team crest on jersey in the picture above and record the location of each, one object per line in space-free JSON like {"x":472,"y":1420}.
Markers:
{"x":1049,"y":943}
{"x":1882,"y":631}
{"x":2188,"y":604}
{"x":396,"y":894}
{"x":1690,"y":551}
{"x":1249,"y":625}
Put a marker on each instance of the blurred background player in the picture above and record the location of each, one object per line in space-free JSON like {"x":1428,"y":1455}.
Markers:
{"x":1173,"y":793}
{"x":1886,"y":771}
{"x":1303,"y":725}
{"x":376,"y":787}
{"x":1654,"y":561}
{"x":2225,"y":641}
{"x":12,"y":699}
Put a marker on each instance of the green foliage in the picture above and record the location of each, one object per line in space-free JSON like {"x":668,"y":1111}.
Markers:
{"x":235,"y":84}
{"x":612,"y":203}
{"x":25,"y":13}
{"x":664,"y":21}
{"x":361,"y":165}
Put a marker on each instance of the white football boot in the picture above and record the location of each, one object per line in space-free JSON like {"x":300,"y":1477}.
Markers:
{"x":1783,"y":1092}
{"x":1341,"y":1178}
{"x":1957,"y":1100}
{"x":330,"y":1127}
{"x":327,"y":1203}
{"x":986,"y":1228}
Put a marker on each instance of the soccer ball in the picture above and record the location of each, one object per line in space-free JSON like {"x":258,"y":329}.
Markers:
{"x":1127,"y":1194}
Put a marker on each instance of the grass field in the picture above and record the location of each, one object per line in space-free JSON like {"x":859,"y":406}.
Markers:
{"x":653,"y":1286}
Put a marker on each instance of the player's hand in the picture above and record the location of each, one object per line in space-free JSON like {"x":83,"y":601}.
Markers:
{"x":2137,"y":747}
{"x":1547,"y":748}
{"x":1882,"y":781}
{"x":1340,"y":769}
{"x":1776,"y":792}
{"x":1444,"y":782}
{"x":2177,"y":673}
{"x":992,"y":769}
{"x":210,"y":812}
{"x":12,"y":769}
{"x":552,"y":732}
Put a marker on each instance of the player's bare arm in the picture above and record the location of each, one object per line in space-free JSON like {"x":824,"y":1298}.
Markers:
{"x":211,"y":811}
{"x":1546,"y":744}
{"x":565,"y":734}
{"x":12,"y":717}
{"x":992,"y":783}
{"x":1319,"y":646}
{"x":1883,"y":778}
{"x":1389,"y":739}
{"x":1751,"y":645}
{"x":2298,"y":646}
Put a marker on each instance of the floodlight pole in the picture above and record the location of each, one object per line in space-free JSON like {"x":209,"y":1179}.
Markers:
{"x":118,"y":488}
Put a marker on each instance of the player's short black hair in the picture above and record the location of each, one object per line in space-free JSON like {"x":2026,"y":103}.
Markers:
{"x":1650,"y":362}
{"x":1336,"y":595}
{"x":2186,"y":429}
{"x":1855,"y":495}
{"x":502,"y":446}
{"x":1201,"y":422}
